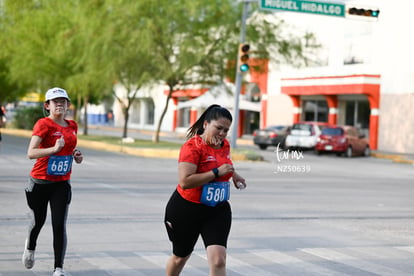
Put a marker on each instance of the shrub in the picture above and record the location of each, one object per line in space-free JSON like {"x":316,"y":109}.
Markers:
{"x":26,"y":117}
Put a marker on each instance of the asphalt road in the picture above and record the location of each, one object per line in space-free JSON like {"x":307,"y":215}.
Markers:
{"x":301,"y":214}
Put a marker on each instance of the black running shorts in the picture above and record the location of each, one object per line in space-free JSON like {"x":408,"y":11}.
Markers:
{"x":186,"y":220}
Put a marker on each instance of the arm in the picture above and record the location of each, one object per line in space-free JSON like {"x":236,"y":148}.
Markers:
{"x":236,"y":179}
{"x":34,"y":152}
{"x":189,"y":178}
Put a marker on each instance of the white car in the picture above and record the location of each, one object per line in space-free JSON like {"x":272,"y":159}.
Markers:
{"x":304,"y":135}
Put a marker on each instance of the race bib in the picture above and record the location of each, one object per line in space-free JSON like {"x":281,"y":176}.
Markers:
{"x":214,"y":193}
{"x":59,"y":165}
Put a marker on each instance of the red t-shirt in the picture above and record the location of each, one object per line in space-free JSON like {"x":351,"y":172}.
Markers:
{"x":197,"y":152}
{"x":49,"y":131}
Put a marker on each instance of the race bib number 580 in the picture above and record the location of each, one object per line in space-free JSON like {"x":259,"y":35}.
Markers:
{"x":59,"y":165}
{"x":214,"y":193}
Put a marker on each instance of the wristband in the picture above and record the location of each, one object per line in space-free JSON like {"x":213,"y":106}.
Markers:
{"x":216,"y":172}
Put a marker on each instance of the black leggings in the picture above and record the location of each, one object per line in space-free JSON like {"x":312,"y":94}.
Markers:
{"x":185,"y":221}
{"x":58,"y":194}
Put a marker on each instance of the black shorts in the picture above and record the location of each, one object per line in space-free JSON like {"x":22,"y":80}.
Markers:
{"x":186,"y":220}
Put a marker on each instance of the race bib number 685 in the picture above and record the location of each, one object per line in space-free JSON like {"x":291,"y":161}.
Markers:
{"x":214,"y":193}
{"x":59,"y":165}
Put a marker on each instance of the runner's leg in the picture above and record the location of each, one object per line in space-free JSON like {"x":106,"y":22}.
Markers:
{"x":59,"y":205}
{"x":37,"y":200}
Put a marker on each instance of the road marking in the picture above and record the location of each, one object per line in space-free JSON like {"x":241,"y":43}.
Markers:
{"x":239,"y":266}
{"x":332,"y":255}
{"x":390,"y":256}
{"x":160,"y":260}
{"x":117,"y":189}
{"x":293,"y":262}
{"x":406,"y":248}
{"x":110,"y":264}
{"x":341,"y":261}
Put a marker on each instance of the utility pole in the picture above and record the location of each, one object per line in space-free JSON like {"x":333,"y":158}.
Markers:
{"x":239,"y":76}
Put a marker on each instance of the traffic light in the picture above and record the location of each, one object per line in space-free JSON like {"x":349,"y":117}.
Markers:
{"x":244,"y":57}
{"x":366,"y":12}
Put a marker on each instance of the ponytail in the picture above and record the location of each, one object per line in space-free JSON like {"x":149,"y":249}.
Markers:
{"x":213,"y":112}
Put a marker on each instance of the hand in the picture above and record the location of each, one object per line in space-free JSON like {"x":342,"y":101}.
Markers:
{"x":238,"y":181}
{"x":225,"y":169}
{"x":60,"y":143}
{"x":77,"y":155}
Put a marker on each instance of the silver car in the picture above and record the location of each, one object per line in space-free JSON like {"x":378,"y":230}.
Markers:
{"x":304,"y":135}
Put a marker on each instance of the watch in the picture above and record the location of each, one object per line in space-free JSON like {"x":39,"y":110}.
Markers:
{"x":216,"y":172}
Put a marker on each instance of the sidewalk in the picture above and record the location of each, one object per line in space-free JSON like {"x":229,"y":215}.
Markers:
{"x":178,"y":138}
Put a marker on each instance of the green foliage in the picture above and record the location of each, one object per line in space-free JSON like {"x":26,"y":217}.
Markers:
{"x":58,"y":43}
{"x":86,"y":46}
{"x":25,"y":118}
{"x":6,"y":85}
{"x":191,"y":40}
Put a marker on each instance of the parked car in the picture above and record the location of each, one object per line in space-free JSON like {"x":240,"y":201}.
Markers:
{"x":271,"y":136}
{"x":345,"y":140}
{"x":304,"y":135}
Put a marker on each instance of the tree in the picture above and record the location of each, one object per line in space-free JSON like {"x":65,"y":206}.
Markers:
{"x":10,"y":90}
{"x":88,"y":45}
{"x":194,"y":41}
{"x":59,"y":43}
{"x":189,"y":40}
{"x":133,"y":67}
{"x":7,"y":86}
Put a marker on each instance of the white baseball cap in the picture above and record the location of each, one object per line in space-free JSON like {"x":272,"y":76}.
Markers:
{"x":56,"y":92}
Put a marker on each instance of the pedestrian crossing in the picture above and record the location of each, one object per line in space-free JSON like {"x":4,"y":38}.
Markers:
{"x":375,"y":260}
{"x":368,"y":266}
{"x":289,"y":260}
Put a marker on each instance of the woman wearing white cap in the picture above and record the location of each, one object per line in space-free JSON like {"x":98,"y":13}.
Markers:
{"x":53,"y":145}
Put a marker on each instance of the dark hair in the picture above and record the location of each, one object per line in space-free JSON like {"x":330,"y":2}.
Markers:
{"x":213,"y":112}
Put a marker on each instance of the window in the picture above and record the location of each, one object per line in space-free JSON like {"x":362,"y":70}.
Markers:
{"x":184,"y":117}
{"x":316,"y":111}
{"x":134,"y":113}
{"x":333,"y":131}
{"x":150,"y":112}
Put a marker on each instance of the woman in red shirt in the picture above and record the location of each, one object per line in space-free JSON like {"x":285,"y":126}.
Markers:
{"x":53,"y":145}
{"x":199,"y":205}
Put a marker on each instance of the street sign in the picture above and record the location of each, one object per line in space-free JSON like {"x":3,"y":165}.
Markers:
{"x":322,"y":8}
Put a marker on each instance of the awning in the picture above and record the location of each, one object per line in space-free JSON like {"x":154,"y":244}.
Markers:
{"x":222,"y":95}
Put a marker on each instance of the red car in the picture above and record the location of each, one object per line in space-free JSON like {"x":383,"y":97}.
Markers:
{"x":345,"y":140}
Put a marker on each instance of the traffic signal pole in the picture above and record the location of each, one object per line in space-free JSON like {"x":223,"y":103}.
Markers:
{"x":239,"y":77}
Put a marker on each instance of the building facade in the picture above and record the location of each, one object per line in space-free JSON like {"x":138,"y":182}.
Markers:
{"x":366,"y":78}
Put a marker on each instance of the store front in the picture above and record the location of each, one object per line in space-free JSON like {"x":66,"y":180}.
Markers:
{"x":344,"y":100}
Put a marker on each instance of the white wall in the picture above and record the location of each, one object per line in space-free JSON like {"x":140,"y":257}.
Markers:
{"x":157,"y":94}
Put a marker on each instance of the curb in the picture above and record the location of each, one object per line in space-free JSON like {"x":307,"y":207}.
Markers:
{"x":17,"y":132}
{"x":394,"y":157}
